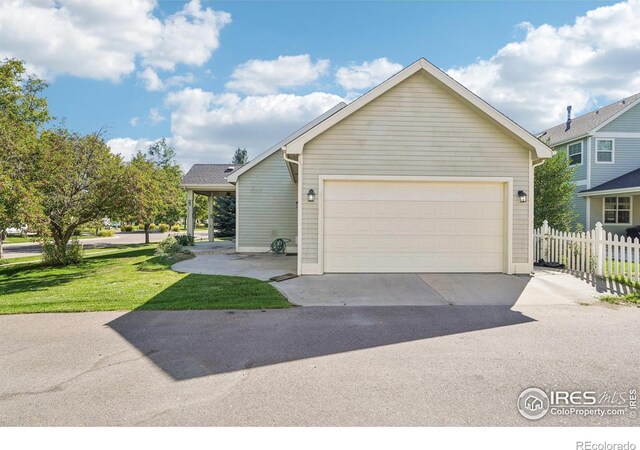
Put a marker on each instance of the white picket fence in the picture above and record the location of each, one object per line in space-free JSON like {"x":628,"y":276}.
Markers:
{"x":594,"y":251}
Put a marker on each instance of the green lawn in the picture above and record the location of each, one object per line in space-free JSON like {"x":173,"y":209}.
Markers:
{"x":126,"y":279}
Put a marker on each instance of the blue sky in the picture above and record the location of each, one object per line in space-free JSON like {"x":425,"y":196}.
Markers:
{"x":212,"y":76}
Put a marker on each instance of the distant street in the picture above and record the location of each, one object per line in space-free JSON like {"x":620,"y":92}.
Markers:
{"x":31,"y":248}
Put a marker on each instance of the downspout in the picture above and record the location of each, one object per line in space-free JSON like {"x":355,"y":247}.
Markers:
{"x":299,"y":237}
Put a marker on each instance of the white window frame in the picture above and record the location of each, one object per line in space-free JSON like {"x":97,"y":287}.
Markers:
{"x":604,"y":203}
{"x":613,"y":151}
{"x":581,"y":154}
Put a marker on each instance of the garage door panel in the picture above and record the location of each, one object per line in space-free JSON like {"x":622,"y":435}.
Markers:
{"x":390,"y":226}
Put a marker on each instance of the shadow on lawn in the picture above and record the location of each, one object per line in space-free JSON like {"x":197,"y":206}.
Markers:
{"x":191,"y":344}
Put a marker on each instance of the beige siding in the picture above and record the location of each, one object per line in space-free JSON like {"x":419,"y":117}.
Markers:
{"x":417,"y":128}
{"x":266,"y":205}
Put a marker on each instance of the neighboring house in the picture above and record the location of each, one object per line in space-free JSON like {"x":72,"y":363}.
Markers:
{"x":417,"y":175}
{"x":604,"y":148}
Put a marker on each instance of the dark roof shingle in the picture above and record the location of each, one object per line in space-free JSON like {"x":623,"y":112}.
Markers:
{"x":206,"y":174}
{"x":583,"y":124}
{"x":628,"y":180}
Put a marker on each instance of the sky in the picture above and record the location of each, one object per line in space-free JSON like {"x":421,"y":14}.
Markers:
{"x":214,"y":76}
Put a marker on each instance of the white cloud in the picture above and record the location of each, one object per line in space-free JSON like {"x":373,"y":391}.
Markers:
{"x":367,"y":74}
{"x":269,"y":76}
{"x":102,"y":39}
{"x":134,"y":121}
{"x":155,"y":116}
{"x":127,"y":147}
{"x":595,"y":59}
{"x":151,"y":80}
{"x":208,"y":127}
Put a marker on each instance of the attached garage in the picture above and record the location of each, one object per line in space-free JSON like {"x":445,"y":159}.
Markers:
{"x":406,"y":224}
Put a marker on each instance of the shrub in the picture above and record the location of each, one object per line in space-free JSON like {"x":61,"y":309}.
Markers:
{"x":168,"y":247}
{"x":175,"y":228}
{"x":129,"y":228}
{"x":51,"y":256}
{"x":106,"y":233}
{"x":184,"y":239}
{"x":152,"y":226}
{"x":163,"y":227}
{"x":634,"y":232}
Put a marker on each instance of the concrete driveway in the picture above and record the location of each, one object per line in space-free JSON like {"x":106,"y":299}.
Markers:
{"x":401,"y":365}
{"x":546,"y":286}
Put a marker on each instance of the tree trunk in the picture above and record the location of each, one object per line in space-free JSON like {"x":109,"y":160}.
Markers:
{"x":146,"y":233}
{"x":61,"y":249}
{"x":1,"y":244}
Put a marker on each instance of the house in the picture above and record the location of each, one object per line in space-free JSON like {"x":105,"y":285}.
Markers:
{"x":209,"y":180}
{"x":416,"y":175}
{"x":604,"y":147}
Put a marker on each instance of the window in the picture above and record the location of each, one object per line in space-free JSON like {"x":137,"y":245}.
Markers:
{"x":604,"y":150}
{"x":575,"y":154}
{"x":617,"y":210}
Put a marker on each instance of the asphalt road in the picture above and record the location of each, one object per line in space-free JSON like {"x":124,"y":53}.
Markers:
{"x":31,"y":248}
{"x":401,"y":365}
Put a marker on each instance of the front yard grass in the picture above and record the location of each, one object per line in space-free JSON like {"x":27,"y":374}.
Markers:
{"x":126,"y":279}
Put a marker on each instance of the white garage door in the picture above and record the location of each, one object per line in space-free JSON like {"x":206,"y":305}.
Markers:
{"x":409,"y":226}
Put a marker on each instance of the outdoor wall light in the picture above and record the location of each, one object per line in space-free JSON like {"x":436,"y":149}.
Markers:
{"x":311,"y":195}
{"x":523,"y":196}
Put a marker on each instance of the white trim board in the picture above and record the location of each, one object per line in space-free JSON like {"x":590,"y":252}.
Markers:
{"x":318,"y":269}
{"x":233,"y":177}
{"x":541,"y":149}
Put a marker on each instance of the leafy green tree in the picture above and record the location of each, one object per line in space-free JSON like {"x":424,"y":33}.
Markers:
{"x":79,"y":181}
{"x":224,"y":215}
{"x":553,"y":192}
{"x":155,"y":181}
{"x":240,"y":156}
{"x":22,"y":113}
{"x":201,"y":208}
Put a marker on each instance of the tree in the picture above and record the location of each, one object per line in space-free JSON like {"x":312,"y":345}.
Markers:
{"x":240,"y":156}
{"x":224,"y":213}
{"x":201,"y":208}
{"x":22,"y":112}
{"x":146,"y":183}
{"x":162,"y":154}
{"x":79,"y":181}
{"x":553,"y":192}
{"x":155,"y":184}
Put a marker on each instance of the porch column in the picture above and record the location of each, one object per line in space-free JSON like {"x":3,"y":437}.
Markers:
{"x":190,"y":229}
{"x":212,"y":197}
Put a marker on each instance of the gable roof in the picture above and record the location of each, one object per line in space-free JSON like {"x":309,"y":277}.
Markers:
{"x":630,"y":180}
{"x":541,"y":150}
{"x":583,"y":125}
{"x":208,"y":174}
{"x":233,"y":177}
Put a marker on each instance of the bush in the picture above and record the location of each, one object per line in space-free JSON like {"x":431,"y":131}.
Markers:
{"x":163,"y":227}
{"x":106,"y":233}
{"x":51,"y":256}
{"x":129,"y":228}
{"x":168,"y":247}
{"x":184,"y":239}
{"x":175,"y":228}
{"x":634,"y":232}
{"x":152,"y":226}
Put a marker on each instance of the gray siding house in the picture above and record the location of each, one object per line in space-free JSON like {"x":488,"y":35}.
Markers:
{"x":604,"y":148}
{"x":416,"y":175}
